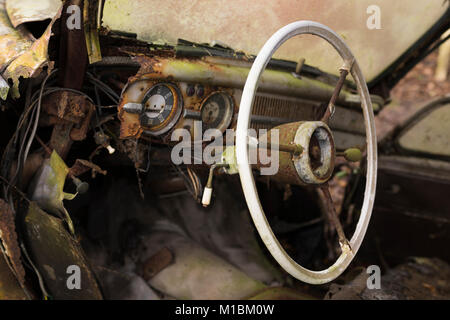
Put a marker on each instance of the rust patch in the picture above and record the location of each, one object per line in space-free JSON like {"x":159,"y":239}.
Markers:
{"x":66,"y":105}
{"x":32,"y":61}
{"x":156,"y":263}
{"x":132,"y":127}
{"x":70,"y":113}
{"x":8,"y":236}
{"x":149,"y":65}
{"x":79,"y":134}
{"x":81,"y":166}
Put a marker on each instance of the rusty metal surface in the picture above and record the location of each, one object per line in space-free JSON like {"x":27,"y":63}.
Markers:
{"x":332,"y":215}
{"x":9,"y":240}
{"x":140,"y":84}
{"x":31,"y":10}
{"x":272,"y":81}
{"x":246,"y":25}
{"x":30,"y":61}
{"x":67,"y":106}
{"x":156,"y":263}
{"x":332,"y":104}
{"x":292,"y":166}
{"x":70,"y":113}
{"x":73,"y":61}
{"x":9,"y":287}
{"x":90,"y":13}
{"x":287,"y":173}
{"x":316,"y":164}
{"x":217,"y":77}
{"x":81,"y":166}
{"x":80,"y":133}
{"x":53,"y":250}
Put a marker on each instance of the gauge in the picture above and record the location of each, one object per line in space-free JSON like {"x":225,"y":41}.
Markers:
{"x":161,"y":108}
{"x":217,"y":111}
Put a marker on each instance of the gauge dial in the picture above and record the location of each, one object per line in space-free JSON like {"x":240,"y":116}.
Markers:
{"x":161,"y":108}
{"x":217,"y":111}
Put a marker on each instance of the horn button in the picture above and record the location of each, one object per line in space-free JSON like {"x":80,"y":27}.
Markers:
{"x":316,"y":163}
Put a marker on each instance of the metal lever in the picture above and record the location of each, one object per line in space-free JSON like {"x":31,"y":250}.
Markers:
{"x":207,"y":193}
{"x":351,"y":154}
{"x":294,"y":149}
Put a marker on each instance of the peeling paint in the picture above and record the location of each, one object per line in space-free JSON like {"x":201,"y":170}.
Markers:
{"x":31,"y":10}
{"x":13,"y":42}
{"x":29,"y":62}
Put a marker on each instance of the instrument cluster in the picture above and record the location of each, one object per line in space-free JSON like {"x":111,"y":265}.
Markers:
{"x":154,"y":108}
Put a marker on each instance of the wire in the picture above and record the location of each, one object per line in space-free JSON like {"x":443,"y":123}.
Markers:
{"x":104,"y":88}
{"x":24,"y":135}
{"x":33,"y":133}
{"x":39,"y":101}
{"x":55,"y":89}
{"x":32,"y":112}
{"x":31,"y":108}
{"x":19,"y":157}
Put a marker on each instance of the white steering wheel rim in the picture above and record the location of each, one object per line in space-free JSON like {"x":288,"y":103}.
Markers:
{"x":245,"y":170}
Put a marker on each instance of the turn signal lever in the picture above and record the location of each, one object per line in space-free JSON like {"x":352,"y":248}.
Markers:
{"x":229,"y":162}
{"x":351,"y":154}
{"x":207,"y":193}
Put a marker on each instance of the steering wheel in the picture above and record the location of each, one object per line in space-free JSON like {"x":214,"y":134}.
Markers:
{"x":348,"y":248}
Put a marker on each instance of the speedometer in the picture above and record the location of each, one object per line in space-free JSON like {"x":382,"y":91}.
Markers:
{"x":161,"y":108}
{"x":217,"y":111}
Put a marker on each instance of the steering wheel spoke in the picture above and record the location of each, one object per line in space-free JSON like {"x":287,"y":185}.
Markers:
{"x":332,"y":215}
{"x":337,"y":90}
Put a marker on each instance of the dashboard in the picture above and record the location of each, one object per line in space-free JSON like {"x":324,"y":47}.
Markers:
{"x":154,"y":108}
{"x":184,"y":94}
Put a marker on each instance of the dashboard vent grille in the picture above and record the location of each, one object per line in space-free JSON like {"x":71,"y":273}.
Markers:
{"x":271,"y":110}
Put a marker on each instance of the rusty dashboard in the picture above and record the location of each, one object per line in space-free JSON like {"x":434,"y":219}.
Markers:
{"x":200,"y":94}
